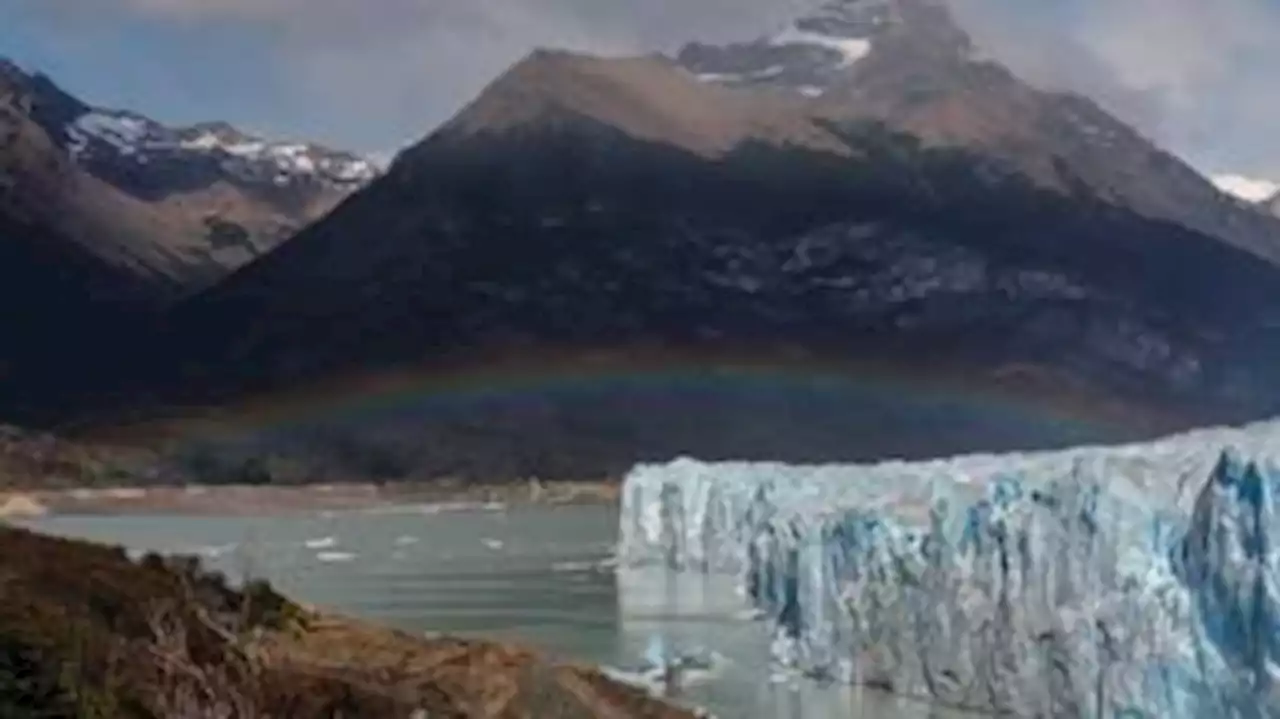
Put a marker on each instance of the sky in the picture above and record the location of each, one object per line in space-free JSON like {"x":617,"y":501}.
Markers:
{"x":1199,"y":76}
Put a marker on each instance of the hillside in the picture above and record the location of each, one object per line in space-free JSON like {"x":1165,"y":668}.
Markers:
{"x":87,"y":632}
{"x":646,"y":98}
{"x":108,"y":217}
{"x":61,"y":278}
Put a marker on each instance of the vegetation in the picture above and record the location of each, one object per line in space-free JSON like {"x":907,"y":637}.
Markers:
{"x":86,"y":632}
{"x":37,"y":459}
{"x":224,"y":234}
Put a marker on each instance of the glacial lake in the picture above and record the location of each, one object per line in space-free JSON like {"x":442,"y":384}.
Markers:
{"x":536,"y":575}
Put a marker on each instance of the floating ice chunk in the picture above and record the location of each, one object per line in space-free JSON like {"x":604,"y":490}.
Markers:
{"x":1095,"y":582}
{"x":321,"y":543}
{"x":213,"y":551}
{"x":574,"y":567}
{"x":335,"y":557}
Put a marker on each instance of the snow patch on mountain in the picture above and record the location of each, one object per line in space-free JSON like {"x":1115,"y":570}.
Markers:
{"x":126,"y":133}
{"x":1248,"y":189}
{"x":851,"y":49}
{"x":1096,"y":582}
{"x":806,"y":56}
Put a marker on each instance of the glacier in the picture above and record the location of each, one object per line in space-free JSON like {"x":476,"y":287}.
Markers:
{"x":1128,"y":581}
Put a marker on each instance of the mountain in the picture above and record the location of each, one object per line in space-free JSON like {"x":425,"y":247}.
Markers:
{"x":107,"y":218}
{"x":180,"y":206}
{"x":906,"y":63}
{"x":582,"y":204}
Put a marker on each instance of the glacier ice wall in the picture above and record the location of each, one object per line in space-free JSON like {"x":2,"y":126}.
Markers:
{"x":1130,"y":581}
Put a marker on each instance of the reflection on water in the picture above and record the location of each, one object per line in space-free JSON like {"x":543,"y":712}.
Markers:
{"x":535,"y":575}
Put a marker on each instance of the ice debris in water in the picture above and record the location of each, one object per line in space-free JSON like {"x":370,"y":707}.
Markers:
{"x":1131,"y":581}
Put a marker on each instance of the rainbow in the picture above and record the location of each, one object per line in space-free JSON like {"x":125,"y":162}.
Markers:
{"x":1016,"y":397}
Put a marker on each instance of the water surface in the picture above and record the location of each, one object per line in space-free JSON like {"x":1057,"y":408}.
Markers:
{"x":531,"y":574}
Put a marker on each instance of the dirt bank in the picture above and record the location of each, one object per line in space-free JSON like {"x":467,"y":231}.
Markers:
{"x":85,"y":631}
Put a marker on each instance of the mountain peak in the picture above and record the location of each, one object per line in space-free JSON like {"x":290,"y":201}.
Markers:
{"x":817,"y":50}
{"x":9,"y":68}
{"x":909,"y":65}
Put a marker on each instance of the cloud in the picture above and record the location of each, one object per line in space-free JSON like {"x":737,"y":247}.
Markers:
{"x":1196,"y":75}
{"x":649,"y":23}
{"x":396,"y":68}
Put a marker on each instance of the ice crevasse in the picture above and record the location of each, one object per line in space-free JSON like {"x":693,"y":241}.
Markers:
{"x":1129,"y":581}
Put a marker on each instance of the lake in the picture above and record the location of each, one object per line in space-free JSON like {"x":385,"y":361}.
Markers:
{"x":537,"y":575}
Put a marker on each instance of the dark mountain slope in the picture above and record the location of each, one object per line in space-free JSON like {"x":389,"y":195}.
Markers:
{"x":57,"y":298}
{"x":573,"y":233}
{"x":63,"y":283}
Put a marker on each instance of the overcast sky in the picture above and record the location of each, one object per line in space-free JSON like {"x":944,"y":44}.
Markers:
{"x":1201,"y":76}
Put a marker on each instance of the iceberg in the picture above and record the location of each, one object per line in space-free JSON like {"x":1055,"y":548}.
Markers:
{"x":1128,"y":581}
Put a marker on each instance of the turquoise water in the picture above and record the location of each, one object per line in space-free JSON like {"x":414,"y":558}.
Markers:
{"x":536,"y":575}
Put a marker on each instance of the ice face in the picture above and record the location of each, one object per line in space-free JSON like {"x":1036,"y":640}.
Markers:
{"x":1133,"y":581}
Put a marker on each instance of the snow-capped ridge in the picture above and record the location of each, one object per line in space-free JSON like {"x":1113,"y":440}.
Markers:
{"x":96,"y":135}
{"x":240,"y":154}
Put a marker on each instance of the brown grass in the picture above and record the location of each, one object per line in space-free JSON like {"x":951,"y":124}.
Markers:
{"x":86,"y":632}
{"x":460,"y":678}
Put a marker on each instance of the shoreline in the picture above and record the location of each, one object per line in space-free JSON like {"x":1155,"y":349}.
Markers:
{"x":250,"y":500}
{"x":174,"y":640}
